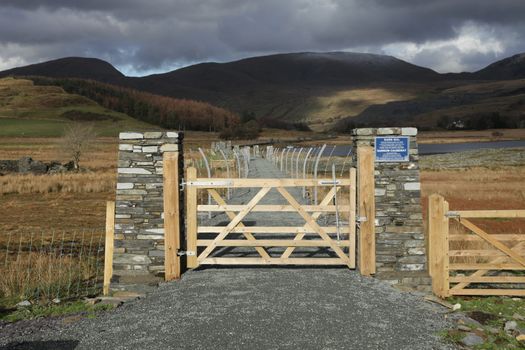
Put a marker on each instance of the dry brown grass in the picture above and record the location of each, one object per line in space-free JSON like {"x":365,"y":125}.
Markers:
{"x":45,"y":277}
{"x":62,"y":201}
{"x":102,"y":155}
{"x":98,"y":182}
{"x":477,"y":188}
{"x":50,"y":264}
{"x":428,"y":137}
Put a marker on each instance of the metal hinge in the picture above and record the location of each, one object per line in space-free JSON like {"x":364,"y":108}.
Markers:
{"x":362,"y":219}
{"x":452,"y":214}
{"x":186,"y":252}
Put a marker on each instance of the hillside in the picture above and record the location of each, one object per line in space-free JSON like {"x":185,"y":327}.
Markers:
{"x":167,"y":112}
{"x":29,"y":110}
{"x":69,"y":67}
{"x":499,"y":104}
{"x":509,"y":68}
{"x":318,"y":88}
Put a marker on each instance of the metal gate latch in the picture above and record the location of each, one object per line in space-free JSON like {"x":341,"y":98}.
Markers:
{"x":185,"y":252}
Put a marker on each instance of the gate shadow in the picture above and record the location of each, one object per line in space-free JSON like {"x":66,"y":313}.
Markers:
{"x":42,"y":345}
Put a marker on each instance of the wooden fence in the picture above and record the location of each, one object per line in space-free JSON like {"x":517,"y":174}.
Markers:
{"x":476,"y":262}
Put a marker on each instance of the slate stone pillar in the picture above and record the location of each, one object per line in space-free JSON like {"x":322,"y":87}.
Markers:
{"x":400,"y":240}
{"x":138,"y":261}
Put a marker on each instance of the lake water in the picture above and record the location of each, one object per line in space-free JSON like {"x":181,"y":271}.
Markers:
{"x":469,"y":146}
{"x":426,"y":149}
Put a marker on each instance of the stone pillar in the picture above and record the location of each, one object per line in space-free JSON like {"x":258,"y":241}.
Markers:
{"x":138,"y":261}
{"x":400,"y":239}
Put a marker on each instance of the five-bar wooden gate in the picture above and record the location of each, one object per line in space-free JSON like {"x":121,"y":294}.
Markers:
{"x":338,"y":240}
{"x":490,"y":264}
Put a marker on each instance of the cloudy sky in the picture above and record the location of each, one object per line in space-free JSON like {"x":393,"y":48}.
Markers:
{"x":146,"y":36}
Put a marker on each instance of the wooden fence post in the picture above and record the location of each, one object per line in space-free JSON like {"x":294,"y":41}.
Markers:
{"x":191,"y":219}
{"x":438,"y":245}
{"x":367,"y":239}
{"x":351,"y":220}
{"x":170,"y":164}
{"x":109,"y":246}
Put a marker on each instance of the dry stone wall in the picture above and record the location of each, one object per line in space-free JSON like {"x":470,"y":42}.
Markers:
{"x":139,"y":234}
{"x":400,"y":239}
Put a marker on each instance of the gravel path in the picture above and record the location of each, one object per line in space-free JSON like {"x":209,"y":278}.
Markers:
{"x":252,"y":308}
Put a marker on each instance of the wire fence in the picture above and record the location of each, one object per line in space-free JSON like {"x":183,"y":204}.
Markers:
{"x":314,"y":161}
{"x":226,"y":161}
{"x":325,"y":161}
{"x":216,"y":163}
{"x":48,"y":266}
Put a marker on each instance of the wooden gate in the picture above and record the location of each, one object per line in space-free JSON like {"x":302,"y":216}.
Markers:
{"x":336,"y":241}
{"x":490,"y":264}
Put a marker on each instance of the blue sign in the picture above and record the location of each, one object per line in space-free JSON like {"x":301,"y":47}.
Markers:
{"x":392,"y":149}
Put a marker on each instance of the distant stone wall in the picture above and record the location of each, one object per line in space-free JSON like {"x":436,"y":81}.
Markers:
{"x":139,"y":234}
{"x":400,"y":239}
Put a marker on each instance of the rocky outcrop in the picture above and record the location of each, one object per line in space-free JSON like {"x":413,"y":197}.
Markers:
{"x":27,"y":165}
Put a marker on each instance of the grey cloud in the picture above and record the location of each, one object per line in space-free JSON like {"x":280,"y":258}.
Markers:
{"x":148,"y":35}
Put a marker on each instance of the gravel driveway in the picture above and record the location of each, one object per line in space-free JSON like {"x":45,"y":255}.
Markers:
{"x":256,"y":308}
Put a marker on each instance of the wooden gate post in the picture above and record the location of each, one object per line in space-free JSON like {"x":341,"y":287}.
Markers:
{"x":171,"y":215}
{"x":351,"y":219}
{"x":191,"y":219}
{"x":438,"y":245}
{"x":109,"y":245}
{"x":367,"y":239}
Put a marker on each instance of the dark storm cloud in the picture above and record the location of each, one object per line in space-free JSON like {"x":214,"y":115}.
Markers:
{"x":141,"y":36}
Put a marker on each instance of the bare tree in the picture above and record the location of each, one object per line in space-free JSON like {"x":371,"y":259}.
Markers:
{"x":78,"y":137}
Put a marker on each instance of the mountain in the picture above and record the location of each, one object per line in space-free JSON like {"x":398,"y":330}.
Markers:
{"x":331,"y":68}
{"x":325,"y":69}
{"x":318,"y":88}
{"x":69,"y":67}
{"x":509,"y":68}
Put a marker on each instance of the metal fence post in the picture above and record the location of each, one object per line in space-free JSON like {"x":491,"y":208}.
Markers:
{"x":209,"y":175}
{"x":304,"y":168}
{"x":315,"y":171}
{"x":297,"y":163}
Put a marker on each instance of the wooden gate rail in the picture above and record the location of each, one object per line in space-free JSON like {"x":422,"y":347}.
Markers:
{"x":258,"y":183}
{"x":506,"y":252}
{"x":273,"y":208}
{"x":236,"y":214}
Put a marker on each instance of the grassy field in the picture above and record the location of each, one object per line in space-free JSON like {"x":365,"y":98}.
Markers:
{"x":12,"y":127}
{"x":44,"y":111}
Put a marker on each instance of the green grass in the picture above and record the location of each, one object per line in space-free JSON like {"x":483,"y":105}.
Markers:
{"x":44,"y":111}
{"x":72,"y":308}
{"x":11,"y":127}
{"x":502,"y":309}
{"x":14,"y":127}
{"x":503,"y":306}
